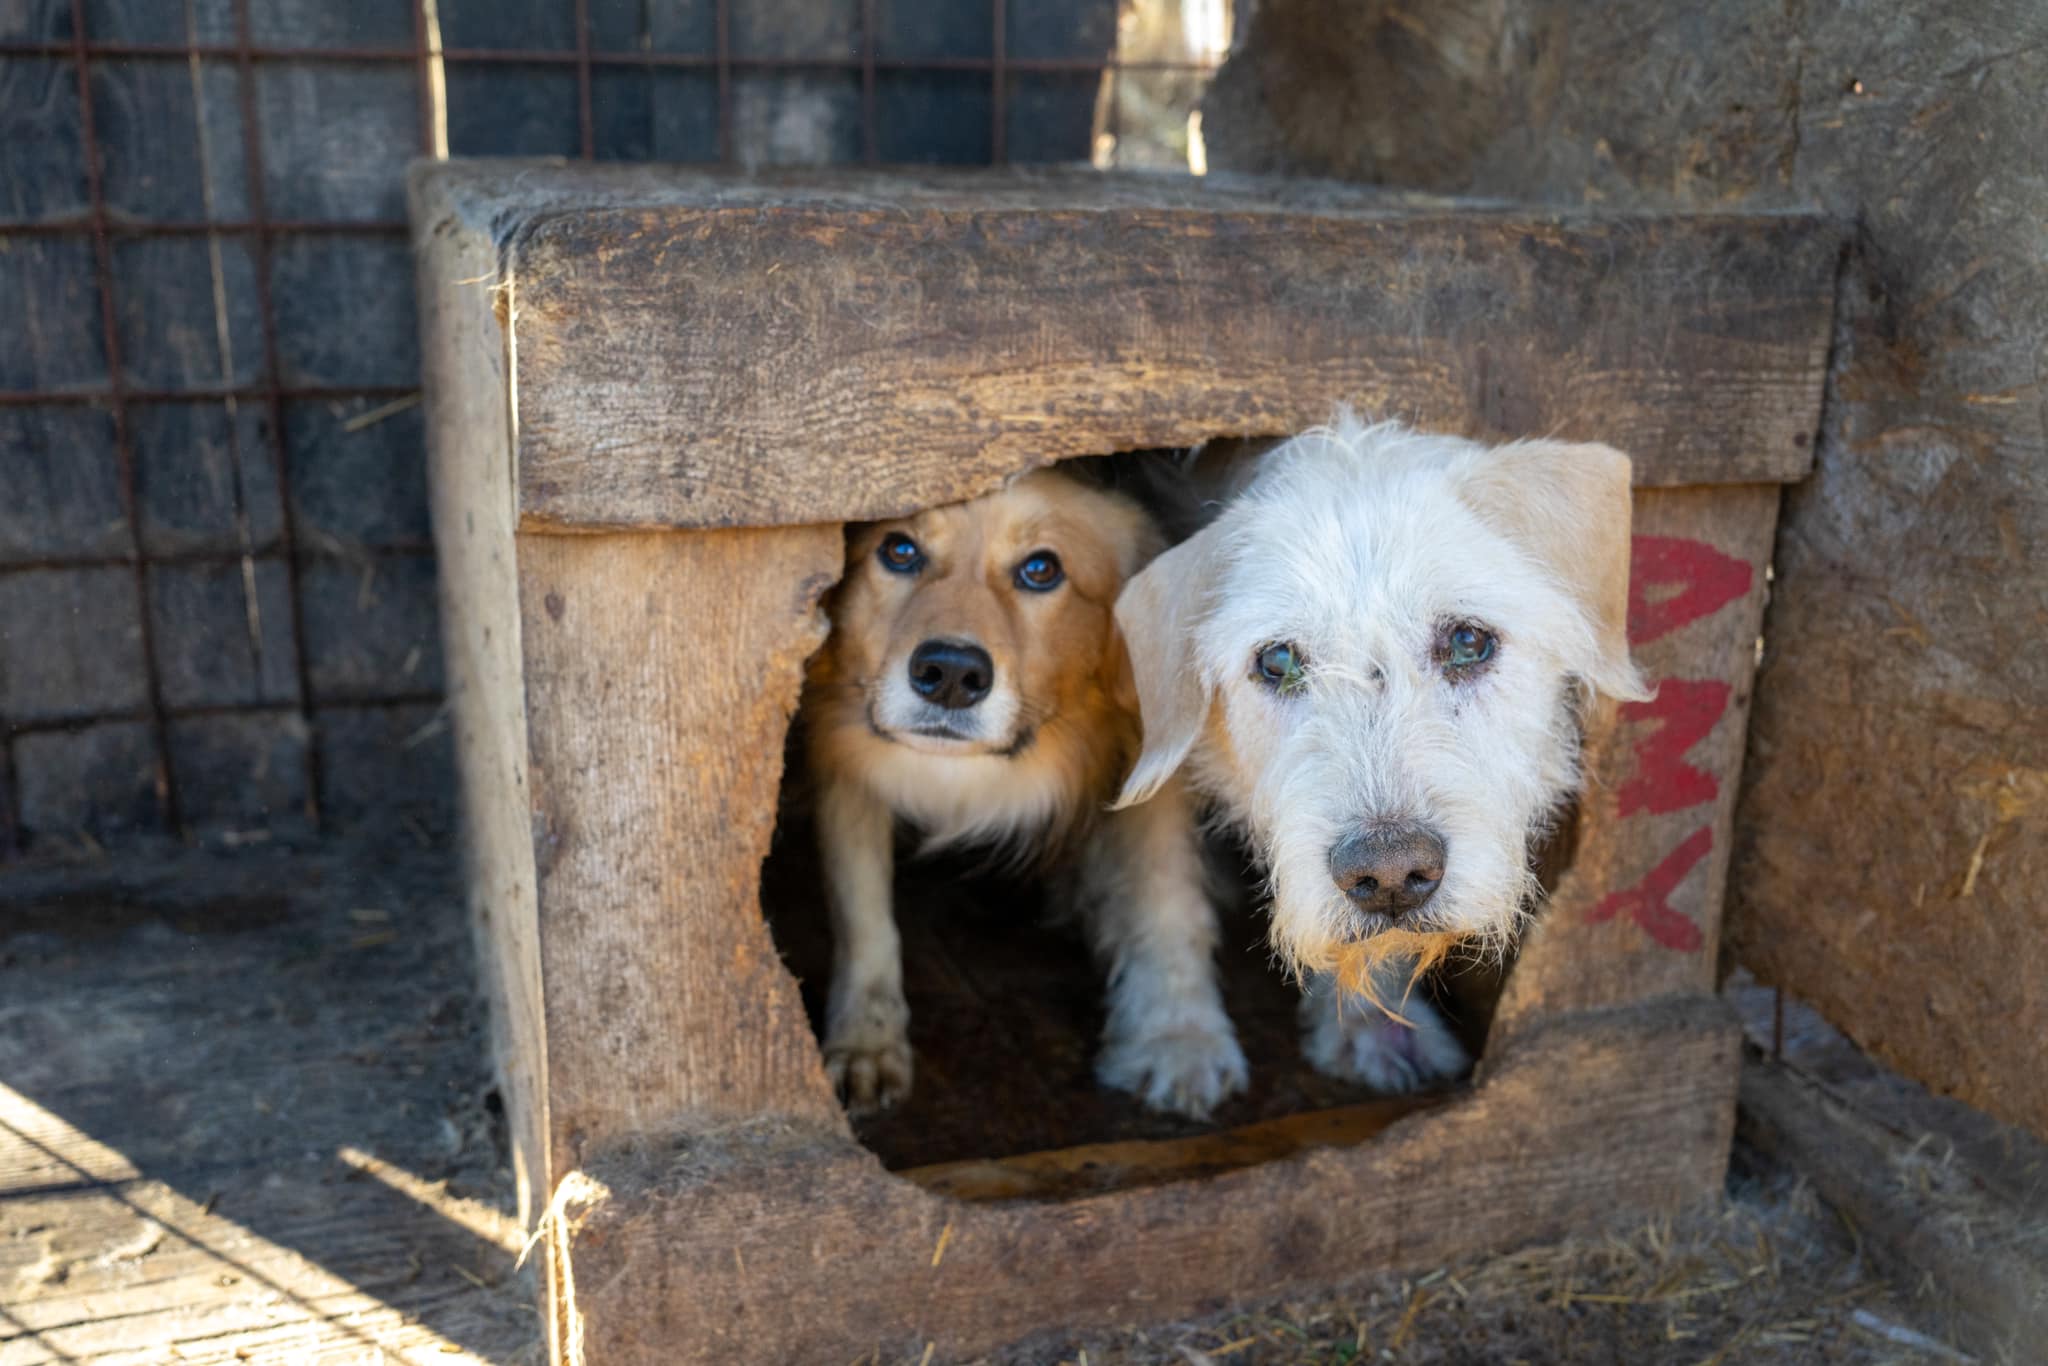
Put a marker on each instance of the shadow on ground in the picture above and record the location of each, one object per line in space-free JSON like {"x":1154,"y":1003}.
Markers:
{"x":245,"y":1115}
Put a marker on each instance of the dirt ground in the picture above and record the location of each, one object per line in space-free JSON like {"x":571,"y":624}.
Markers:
{"x":245,"y":1117}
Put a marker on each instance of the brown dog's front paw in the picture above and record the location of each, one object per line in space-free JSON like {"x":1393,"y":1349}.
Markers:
{"x":869,"y":1065}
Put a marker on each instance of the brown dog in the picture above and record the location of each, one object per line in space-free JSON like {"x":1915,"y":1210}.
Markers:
{"x":975,"y":685}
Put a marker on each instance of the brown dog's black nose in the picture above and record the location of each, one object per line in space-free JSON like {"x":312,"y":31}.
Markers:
{"x":1391,"y":869}
{"x":952,"y":674}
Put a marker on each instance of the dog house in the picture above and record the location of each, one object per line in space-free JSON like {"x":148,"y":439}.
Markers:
{"x":657,"y":395}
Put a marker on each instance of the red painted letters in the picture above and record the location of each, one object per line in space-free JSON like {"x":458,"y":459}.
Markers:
{"x":1648,"y":902}
{"x":1664,"y":781}
{"x":1706,"y":581}
{"x":1672,"y":583}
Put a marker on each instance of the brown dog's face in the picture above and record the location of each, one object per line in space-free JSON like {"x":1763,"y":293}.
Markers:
{"x":968,"y":630}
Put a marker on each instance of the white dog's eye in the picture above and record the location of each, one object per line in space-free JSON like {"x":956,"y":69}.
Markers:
{"x":1465,"y":646}
{"x":1040,"y":572}
{"x":1280,"y":666}
{"x":899,"y":554}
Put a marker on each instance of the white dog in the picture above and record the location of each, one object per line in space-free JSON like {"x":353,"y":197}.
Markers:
{"x":1372,"y":662}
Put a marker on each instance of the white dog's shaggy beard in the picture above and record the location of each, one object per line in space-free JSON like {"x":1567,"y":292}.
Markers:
{"x":1347,"y":766}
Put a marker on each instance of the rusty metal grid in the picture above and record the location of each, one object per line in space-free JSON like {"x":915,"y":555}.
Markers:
{"x":117,"y":396}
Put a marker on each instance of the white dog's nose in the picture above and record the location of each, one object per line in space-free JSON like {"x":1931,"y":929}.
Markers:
{"x":1391,"y":869}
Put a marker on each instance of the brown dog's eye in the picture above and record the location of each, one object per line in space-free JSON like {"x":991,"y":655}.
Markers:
{"x":1465,"y":646}
{"x":1280,"y":666}
{"x":1040,"y":572}
{"x":899,"y":554}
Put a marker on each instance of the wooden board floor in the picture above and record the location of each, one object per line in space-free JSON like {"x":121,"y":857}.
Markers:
{"x":244,"y":1117}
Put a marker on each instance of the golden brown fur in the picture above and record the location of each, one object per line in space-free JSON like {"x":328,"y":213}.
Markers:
{"x":1030,"y":767}
{"x":1076,"y":725}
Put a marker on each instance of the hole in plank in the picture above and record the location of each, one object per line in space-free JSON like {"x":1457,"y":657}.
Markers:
{"x":1007,"y":1003}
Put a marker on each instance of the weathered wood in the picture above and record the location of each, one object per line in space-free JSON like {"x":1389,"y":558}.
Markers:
{"x":661,"y":673}
{"x":1933,"y":1222}
{"x":1091,"y":1168}
{"x":243,"y":1116}
{"x":1638,"y":912}
{"x":170,"y":140}
{"x":796,"y":1246}
{"x":696,"y":351}
{"x":600,"y":733}
{"x":140,"y":1271}
{"x":677,"y":369}
{"x":468,"y":431}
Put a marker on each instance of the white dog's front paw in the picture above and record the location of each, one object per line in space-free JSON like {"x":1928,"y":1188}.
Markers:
{"x":867,"y":1055}
{"x":1354,"y":1040}
{"x":1187,"y":1070}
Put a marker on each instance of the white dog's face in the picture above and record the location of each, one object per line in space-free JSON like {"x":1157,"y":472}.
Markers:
{"x":1372,"y":661}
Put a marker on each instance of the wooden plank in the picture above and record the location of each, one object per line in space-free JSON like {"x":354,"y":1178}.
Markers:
{"x":658,"y":350}
{"x":143,"y":1272}
{"x":1091,"y":1168}
{"x":170,"y":138}
{"x":795,"y":1246}
{"x":661,"y":673}
{"x":54,"y":341}
{"x":243,"y":1116}
{"x":469,"y":433}
{"x":1637,"y":913}
{"x":61,"y":502}
{"x":791,"y":363}
{"x":1936,"y":1223}
{"x":42,"y":161}
{"x":87,"y":659}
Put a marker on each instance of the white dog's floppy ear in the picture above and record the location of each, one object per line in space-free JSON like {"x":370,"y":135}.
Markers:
{"x":1568,"y":504}
{"x":1157,"y":613}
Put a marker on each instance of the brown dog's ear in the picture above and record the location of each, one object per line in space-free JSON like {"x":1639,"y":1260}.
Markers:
{"x":1567,"y":504}
{"x":1157,"y":613}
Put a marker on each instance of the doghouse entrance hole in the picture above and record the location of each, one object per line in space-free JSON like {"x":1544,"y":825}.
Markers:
{"x":1007,"y":1011}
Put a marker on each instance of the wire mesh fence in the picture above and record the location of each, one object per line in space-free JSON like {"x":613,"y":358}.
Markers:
{"x":216,"y":575}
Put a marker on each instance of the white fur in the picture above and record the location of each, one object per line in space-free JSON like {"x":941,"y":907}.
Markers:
{"x":969,"y":799}
{"x":1356,"y":1040}
{"x":1140,"y":890}
{"x":1354,"y":544}
{"x":991,"y":724}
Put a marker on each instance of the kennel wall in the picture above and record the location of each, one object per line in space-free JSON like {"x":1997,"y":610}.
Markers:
{"x":656,"y":396}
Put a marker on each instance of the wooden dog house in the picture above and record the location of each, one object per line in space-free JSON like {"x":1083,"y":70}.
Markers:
{"x":656,"y":396}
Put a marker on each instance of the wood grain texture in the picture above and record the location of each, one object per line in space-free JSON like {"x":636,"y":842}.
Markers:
{"x":468,"y":434}
{"x":661,"y":673}
{"x":1934,"y":1222}
{"x":1638,"y":913}
{"x":789,"y":1245}
{"x":733,"y":367}
{"x":244,"y":1116}
{"x":697,"y":351}
{"x":1088,"y":1168}
{"x":139,"y":1271}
